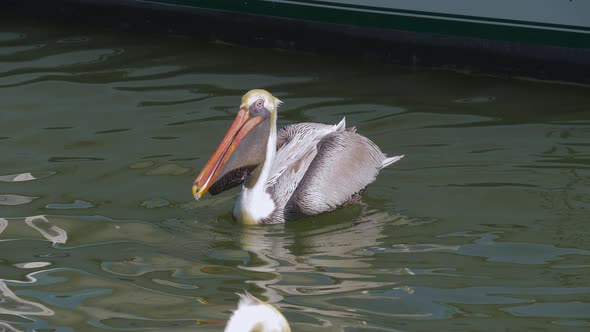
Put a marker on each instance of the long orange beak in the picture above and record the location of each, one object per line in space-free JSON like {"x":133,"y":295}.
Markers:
{"x":241,"y":126}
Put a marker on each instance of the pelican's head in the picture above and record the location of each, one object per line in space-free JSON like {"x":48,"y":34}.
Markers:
{"x":254,"y":315}
{"x":243,"y":147}
{"x":257,"y":99}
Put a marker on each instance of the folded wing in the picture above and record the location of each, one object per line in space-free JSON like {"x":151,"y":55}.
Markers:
{"x":344,"y":165}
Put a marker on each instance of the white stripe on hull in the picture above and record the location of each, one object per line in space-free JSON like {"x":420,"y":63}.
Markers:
{"x":532,"y":13}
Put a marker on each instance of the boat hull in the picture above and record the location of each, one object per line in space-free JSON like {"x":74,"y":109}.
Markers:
{"x":548,"y":39}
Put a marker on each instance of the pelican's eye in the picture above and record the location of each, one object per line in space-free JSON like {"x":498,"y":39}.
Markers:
{"x":257,"y":108}
{"x":259,"y":104}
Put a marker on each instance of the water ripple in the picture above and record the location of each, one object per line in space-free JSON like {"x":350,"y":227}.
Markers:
{"x":77,"y":204}
{"x":439,"y":303}
{"x":565,"y":309}
{"x":32,"y":265}
{"x":15,"y":80}
{"x":5,"y":327}
{"x":11,"y":36}
{"x":28,"y":176}
{"x":74,"y":39}
{"x":153,"y":71}
{"x":51,"y":232}
{"x":73,"y":159}
{"x":13,"y":50}
{"x":3,"y":225}
{"x":14,"y":305}
{"x":10,"y":199}
{"x":475,"y":100}
{"x":236,"y":82}
{"x":65,"y":59}
{"x":494,"y":251}
{"x":112,"y":131}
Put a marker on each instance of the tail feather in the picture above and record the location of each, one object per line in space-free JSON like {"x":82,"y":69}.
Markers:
{"x":388,"y":161}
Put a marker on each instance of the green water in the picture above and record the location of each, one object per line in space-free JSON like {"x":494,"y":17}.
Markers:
{"x":484,"y":226}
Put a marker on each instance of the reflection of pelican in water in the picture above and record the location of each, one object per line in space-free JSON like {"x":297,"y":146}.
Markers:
{"x":304,"y":268}
{"x":302,"y":170}
{"x":255,"y":315}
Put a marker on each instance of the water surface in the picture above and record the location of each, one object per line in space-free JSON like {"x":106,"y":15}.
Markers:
{"x":482,"y":227}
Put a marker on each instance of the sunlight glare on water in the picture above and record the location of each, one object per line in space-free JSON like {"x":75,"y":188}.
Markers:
{"x":482,"y":226}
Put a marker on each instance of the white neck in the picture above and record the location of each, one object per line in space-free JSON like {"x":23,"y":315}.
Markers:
{"x":254,"y":203}
{"x":271,"y":151}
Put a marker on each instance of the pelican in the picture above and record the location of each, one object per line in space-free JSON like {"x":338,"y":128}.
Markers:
{"x":301,"y":170}
{"x":255,"y":315}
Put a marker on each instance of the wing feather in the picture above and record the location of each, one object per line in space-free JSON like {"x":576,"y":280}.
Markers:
{"x":295,"y":144}
{"x":296,"y":149}
{"x":344,"y":165}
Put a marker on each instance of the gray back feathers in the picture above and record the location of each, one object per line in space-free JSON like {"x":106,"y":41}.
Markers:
{"x":319,"y":168}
